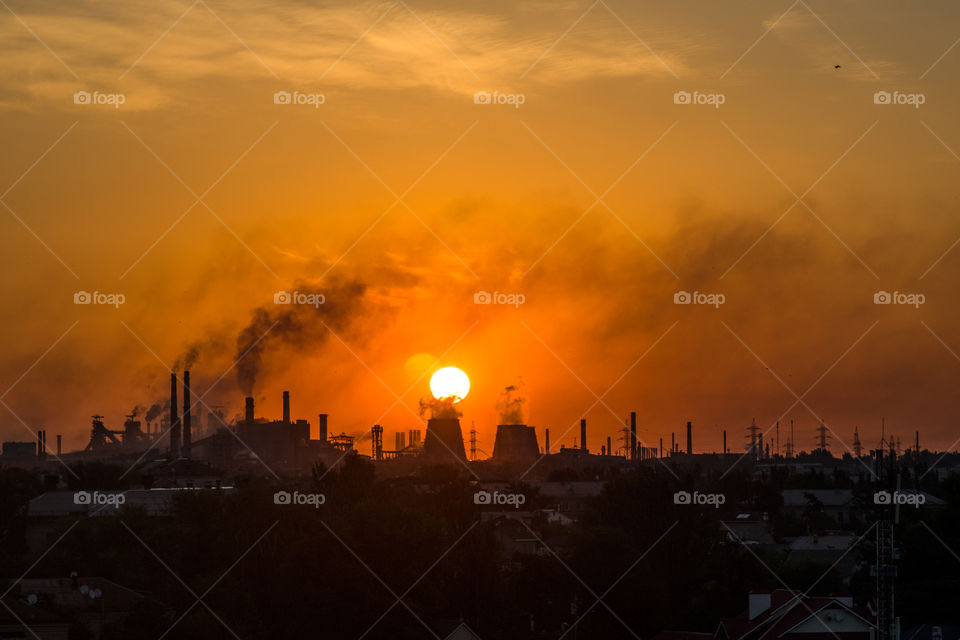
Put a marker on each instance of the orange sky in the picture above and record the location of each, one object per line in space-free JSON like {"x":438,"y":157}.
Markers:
{"x":401,"y":184}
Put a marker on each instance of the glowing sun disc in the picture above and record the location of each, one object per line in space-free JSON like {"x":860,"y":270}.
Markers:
{"x":449,"y":383}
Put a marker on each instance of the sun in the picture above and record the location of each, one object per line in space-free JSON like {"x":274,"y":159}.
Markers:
{"x":449,"y":383}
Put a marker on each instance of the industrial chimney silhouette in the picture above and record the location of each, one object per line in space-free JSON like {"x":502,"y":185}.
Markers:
{"x":186,"y":413}
{"x":174,"y":419}
{"x":248,"y":410}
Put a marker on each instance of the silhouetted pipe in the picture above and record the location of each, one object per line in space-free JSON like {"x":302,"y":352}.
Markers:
{"x":174,"y":418}
{"x":633,"y":435}
{"x":248,"y":410}
{"x":187,"y":436}
{"x":689,"y":438}
{"x":322,"y":426}
{"x":583,"y":434}
{"x":546,"y":441}
{"x":286,"y":407}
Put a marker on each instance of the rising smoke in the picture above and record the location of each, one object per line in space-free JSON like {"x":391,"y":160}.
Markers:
{"x":298,"y":326}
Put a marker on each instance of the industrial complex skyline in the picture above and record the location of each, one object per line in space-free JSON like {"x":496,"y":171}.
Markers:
{"x":710,"y":216}
{"x":533,"y":320}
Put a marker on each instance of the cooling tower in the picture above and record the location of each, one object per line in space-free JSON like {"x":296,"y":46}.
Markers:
{"x":444,"y":441}
{"x":516,"y":443}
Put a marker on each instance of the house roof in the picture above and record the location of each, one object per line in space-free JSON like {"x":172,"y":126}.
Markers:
{"x":829,"y":497}
{"x":788,"y":609}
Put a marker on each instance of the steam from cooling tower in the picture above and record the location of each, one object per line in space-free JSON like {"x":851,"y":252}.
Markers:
{"x":293,"y":325}
{"x":136,"y":411}
{"x":510,"y":405}
{"x":434,"y":408}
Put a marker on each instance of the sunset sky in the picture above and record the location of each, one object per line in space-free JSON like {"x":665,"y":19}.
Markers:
{"x":400,"y":198}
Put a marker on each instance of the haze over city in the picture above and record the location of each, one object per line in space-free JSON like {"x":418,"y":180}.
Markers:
{"x":399,"y":197}
{"x":530,"y":320}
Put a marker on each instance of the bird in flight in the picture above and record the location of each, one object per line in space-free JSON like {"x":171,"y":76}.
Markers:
{"x":836,"y":66}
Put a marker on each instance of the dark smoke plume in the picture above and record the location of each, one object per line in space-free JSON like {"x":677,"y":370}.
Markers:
{"x":188,"y":359}
{"x":157,"y":410}
{"x":296,"y":325}
{"x":510,"y":405}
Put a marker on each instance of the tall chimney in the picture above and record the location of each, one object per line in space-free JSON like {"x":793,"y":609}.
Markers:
{"x":661,"y":447}
{"x":59,"y":444}
{"x":633,"y":435}
{"x":546,"y":441}
{"x":187,"y":399}
{"x":248,"y":410}
{"x":40,"y":443}
{"x":724,"y":442}
{"x":689,"y":438}
{"x":286,"y":407}
{"x":322,"y":429}
{"x":673,"y":443}
{"x":174,"y":419}
{"x":583,"y":434}
{"x":609,"y":450}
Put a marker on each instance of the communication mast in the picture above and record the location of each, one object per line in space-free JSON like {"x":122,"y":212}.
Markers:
{"x":857,"y":445}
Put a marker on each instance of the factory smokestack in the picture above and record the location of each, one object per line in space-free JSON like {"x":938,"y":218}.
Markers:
{"x":546,"y":441}
{"x":322,"y":429}
{"x":248,"y":410}
{"x":689,"y":438}
{"x":174,"y":419}
{"x":583,"y":434}
{"x":724,"y":442}
{"x":187,"y":399}
{"x":286,"y":407}
{"x":609,"y":450}
{"x":633,"y":435}
{"x":59,"y":444}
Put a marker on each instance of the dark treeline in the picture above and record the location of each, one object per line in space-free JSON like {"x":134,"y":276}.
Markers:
{"x":386,"y":556}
